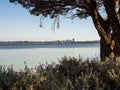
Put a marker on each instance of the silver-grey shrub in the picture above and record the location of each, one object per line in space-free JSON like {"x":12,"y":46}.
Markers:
{"x":68,"y":74}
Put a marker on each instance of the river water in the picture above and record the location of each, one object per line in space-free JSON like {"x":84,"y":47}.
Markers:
{"x":33,"y":54}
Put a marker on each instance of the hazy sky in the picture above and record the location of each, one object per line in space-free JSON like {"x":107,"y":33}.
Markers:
{"x":16,"y":24}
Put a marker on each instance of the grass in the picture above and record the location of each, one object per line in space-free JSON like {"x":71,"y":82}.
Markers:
{"x":68,"y":74}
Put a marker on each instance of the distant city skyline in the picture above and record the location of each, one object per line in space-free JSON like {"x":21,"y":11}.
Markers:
{"x":16,"y":24}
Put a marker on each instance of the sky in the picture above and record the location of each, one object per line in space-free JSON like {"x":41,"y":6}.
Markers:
{"x":17,"y":24}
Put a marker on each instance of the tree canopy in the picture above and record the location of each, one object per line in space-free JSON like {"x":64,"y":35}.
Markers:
{"x":53,"y":8}
{"x":73,"y":8}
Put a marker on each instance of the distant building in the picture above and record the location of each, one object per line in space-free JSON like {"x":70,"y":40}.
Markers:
{"x":73,"y":40}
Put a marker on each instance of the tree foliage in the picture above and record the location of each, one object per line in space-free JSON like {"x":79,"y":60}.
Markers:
{"x":53,"y":8}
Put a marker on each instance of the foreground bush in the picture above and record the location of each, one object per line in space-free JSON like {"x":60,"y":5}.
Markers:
{"x":68,"y":74}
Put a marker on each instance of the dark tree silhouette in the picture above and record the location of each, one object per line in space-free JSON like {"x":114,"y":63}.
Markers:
{"x":108,"y":26}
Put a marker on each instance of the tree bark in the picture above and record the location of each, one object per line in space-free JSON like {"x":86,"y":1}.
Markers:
{"x":108,"y":30}
{"x":104,"y":49}
{"x":114,"y":23}
{"x":104,"y":32}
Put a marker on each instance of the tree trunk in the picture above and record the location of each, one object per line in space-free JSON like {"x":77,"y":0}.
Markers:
{"x":108,"y":30}
{"x":104,"y":32}
{"x":104,"y":50}
{"x":117,"y":46}
{"x":111,"y":50}
{"x":114,"y":24}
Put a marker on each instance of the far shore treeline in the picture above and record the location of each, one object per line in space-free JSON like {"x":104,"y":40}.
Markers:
{"x":40,"y":42}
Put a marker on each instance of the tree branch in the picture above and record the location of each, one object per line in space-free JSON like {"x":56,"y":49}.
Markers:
{"x":110,"y":6}
{"x":98,"y":21}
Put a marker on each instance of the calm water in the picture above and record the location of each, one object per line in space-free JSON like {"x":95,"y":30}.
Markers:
{"x":33,"y":54}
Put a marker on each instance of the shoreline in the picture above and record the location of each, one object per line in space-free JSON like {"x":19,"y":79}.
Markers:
{"x":47,"y":42}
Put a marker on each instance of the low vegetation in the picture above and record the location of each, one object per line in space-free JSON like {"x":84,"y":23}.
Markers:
{"x":68,"y":74}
